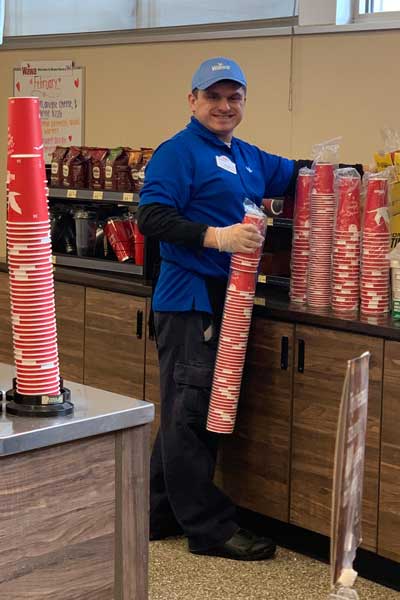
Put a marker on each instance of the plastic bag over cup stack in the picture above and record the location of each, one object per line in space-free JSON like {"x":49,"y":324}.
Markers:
{"x":234,"y":332}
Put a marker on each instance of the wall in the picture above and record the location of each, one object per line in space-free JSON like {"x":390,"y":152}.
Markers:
{"x":343,"y":84}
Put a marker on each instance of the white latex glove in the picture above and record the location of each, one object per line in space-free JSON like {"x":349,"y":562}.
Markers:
{"x":241,"y":237}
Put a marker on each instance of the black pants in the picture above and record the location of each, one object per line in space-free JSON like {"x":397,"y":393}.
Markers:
{"x":184,"y":454}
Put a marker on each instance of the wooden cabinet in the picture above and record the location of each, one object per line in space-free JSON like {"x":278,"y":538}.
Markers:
{"x":317,"y":392}
{"x":70,"y":311}
{"x":115,"y":342}
{"x":6,"y":346}
{"x":152,"y":373}
{"x":389,"y":498}
{"x":255,"y":461}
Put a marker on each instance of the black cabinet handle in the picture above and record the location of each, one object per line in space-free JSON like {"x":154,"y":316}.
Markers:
{"x":300,"y":357}
{"x":284,"y":352}
{"x":139,"y":324}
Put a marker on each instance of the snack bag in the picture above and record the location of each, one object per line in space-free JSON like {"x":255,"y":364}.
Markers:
{"x":390,"y":157}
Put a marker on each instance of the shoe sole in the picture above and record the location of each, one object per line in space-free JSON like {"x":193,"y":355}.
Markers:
{"x":158,"y":538}
{"x":261,"y":556}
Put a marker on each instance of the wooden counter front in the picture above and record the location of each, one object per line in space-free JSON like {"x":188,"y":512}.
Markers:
{"x":74,"y":498}
{"x":279,"y":460}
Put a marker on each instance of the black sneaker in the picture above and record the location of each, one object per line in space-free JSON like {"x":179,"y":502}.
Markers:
{"x":243,"y":545}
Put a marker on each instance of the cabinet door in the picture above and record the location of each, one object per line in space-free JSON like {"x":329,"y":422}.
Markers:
{"x":152,"y":374}
{"x":115,"y":342}
{"x":317,"y":393}
{"x":389,"y":501}
{"x":6,"y":346}
{"x":254,"y":461}
{"x":70,"y":311}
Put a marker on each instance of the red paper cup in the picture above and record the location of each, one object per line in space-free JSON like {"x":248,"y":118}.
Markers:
{"x":27,"y":227}
{"x":301,"y":217}
{"x":38,"y":356}
{"x":48,"y":390}
{"x":24,"y":126}
{"x":27,"y":200}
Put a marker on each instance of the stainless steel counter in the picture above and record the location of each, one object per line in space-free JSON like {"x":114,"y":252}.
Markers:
{"x":95,"y":412}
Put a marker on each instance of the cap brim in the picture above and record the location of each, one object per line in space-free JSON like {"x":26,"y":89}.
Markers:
{"x":209,"y":82}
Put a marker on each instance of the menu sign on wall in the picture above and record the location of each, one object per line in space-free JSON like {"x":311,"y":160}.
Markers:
{"x":59,"y":87}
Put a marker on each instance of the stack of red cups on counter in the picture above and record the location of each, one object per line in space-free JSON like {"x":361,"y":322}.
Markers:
{"x":29,"y":254}
{"x":301,"y":237}
{"x":234,"y":334}
{"x":321,"y":237}
{"x":346,"y":241}
{"x":375,"y":266}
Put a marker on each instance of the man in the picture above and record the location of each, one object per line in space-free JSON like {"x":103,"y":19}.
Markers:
{"x":192,"y":201}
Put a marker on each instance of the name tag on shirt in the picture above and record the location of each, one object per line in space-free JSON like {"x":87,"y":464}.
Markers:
{"x":225,"y":163}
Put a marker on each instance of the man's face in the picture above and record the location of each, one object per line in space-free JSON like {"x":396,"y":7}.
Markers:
{"x":219,"y":108}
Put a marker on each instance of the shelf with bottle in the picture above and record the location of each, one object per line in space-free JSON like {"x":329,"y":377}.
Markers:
{"x":96,"y":235}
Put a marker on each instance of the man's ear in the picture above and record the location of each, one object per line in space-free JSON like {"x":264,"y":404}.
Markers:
{"x":192,"y":101}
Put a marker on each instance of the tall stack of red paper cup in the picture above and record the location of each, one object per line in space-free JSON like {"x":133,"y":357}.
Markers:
{"x":29,"y":254}
{"x":346,"y":242}
{"x":375,"y":266}
{"x":301,"y":237}
{"x":233,"y":336}
{"x":321,"y":237}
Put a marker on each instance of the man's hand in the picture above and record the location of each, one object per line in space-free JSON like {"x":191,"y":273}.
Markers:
{"x":241,"y":237}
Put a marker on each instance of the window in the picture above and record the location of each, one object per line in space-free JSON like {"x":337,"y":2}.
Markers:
{"x":372,"y":7}
{"x":171,"y":13}
{"x":41,"y":17}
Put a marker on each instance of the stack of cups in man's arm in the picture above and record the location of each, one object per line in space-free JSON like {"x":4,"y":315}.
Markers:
{"x":321,"y":237}
{"x":234,"y":334}
{"x":346,"y":241}
{"x":375,"y":265}
{"x":30,"y":263}
{"x":301,"y":237}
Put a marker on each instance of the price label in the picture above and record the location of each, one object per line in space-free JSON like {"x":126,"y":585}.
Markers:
{"x":54,"y":259}
{"x":270,"y":221}
{"x":127,"y":197}
{"x":71,"y":193}
{"x":259,"y":301}
{"x":262,"y":279}
{"x":97,"y":195}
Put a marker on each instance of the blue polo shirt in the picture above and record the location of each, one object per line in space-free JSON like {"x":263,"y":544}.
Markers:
{"x":207,"y":182}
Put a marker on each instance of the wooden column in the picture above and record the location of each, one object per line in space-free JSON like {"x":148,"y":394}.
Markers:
{"x":132,"y":513}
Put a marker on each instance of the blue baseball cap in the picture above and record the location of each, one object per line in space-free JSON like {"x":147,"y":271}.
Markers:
{"x":216,"y":69}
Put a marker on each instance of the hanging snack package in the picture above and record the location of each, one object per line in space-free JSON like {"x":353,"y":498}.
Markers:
{"x":75,"y":168}
{"x":97,"y":168}
{"x":56,"y":166}
{"x":147,"y":153}
{"x":117,"y":172}
{"x":135,"y":164}
{"x":389,"y":156}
